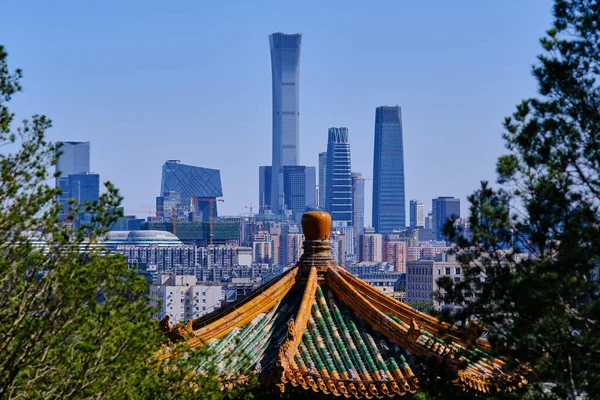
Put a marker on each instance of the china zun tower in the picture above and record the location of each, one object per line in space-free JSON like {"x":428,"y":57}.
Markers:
{"x":285,"y":70}
{"x":389,"y":209}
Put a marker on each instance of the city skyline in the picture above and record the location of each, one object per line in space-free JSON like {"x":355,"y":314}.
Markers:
{"x":439,"y":119}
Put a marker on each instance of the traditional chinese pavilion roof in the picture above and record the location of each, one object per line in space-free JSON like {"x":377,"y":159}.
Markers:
{"x":319,"y":328}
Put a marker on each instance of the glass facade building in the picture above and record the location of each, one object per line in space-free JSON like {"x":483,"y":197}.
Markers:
{"x":417,"y":214}
{"x":285,"y":70}
{"x":338,"y":200}
{"x":389,"y":208}
{"x":264,"y":188}
{"x":84,"y":187}
{"x":443,"y":208}
{"x":74,"y":159}
{"x":358,"y":203}
{"x":192,"y":184}
{"x":299,"y":184}
{"x":322,"y":179}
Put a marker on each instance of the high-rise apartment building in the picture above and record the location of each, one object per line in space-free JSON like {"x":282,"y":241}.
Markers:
{"x":322,"y":179}
{"x":339,"y":176}
{"x":370,"y":246}
{"x":299,"y":189}
{"x":291,"y":246}
{"x":417,"y":214}
{"x":285,"y":71}
{"x":264,"y":189}
{"x":196,"y":186}
{"x":396,"y":253}
{"x":443,"y":208}
{"x":358,"y":203}
{"x":389,"y":208}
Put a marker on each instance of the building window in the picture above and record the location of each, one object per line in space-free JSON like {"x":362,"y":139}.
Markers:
{"x":447,"y":270}
{"x":457,"y":270}
{"x":457,"y":279}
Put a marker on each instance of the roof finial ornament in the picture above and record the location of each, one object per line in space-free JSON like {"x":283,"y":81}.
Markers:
{"x":316,"y":225}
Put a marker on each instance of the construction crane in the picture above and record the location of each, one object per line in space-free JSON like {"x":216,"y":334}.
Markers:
{"x":211,"y":204}
{"x":173,"y":214}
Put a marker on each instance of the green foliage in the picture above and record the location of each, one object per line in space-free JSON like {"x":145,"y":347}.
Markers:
{"x":74,"y":324}
{"x":422,"y":305}
{"x":544,"y":309}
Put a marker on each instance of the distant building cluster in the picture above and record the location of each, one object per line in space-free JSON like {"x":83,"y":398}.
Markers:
{"x":196,"y":259}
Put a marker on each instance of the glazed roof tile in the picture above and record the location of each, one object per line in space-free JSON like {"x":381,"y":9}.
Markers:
{"x":319,"y":328}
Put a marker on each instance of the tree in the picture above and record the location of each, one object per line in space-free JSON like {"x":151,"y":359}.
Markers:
{"x":544,"y":309}
{"x":422,"y":305}
{"x":74,"y":322}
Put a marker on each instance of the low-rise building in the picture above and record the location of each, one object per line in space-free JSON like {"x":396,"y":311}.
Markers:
{"x":180,"y":298}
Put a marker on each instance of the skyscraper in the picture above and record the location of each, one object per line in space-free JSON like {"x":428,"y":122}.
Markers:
{"x":285,"y":71}
{"x":264,"y":188}
{"x":417,"y":214}
{"x":338,"y":199}
{"x":322,"y":179}
{"x":74,"y":159}
{"x":299,"y":184}
{"x":84,"y":187}
{"x":201,"y":184}
{"x":358,"y":203}
{"x":443,"y":208}
{"x":389,"y":209}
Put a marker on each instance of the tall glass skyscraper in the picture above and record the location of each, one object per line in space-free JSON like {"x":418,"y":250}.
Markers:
{"x":74,"y":159}
{"x":417,"y":214}
{"x":358,"y":203}
{"x":443,"y":208}
{"x":322,"y":179}
{"x":299,"y":184}
{"x":285,"y":71}
{"x":338,"y":200}
{"x":264,"y":188}
{"x":389,"y":208}
{"x":189,"y":182}
{"x":84,"y":187}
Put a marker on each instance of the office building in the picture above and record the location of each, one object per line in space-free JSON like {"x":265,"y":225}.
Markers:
{"x":285,"y":73}
{"x":299,"y":190}
{"x":422,"y":277}
{"x":84,"y":187}
{"x":429,"y":221}
{"x":73,"y":159}
{"x":180,"y":298}
{"x":358,"y":203}
{"x":417,"y":214}
{"x":389,"y":209}
{"x":442,"y":209}
{"x":370,"y":246}
{"x":338,"y":199}
{"x":196,"y":187}
{"x":264,"y":189}
{"x":322,"y":179}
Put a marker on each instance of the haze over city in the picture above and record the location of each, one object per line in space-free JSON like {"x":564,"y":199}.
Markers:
{"x":193,"y":83}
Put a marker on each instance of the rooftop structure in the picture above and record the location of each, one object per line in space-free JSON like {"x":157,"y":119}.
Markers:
{"x":318,"y":328}
{"x":141,"y":238}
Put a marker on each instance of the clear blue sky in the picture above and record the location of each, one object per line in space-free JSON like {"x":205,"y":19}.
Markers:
{"x":147,"y":81}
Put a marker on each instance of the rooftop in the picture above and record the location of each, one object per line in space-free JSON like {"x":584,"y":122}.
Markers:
{"x":317,"y":328}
